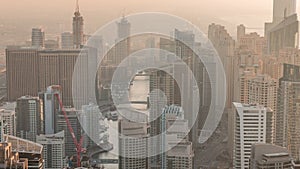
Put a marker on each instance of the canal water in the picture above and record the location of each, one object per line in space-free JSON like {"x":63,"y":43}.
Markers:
{"x":138,"y":91}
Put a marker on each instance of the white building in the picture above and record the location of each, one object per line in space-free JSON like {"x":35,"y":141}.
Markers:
{"x":133,"y":144}
{"x":53,"y":150}
{"x":249,"y":127}
{"x":90,"y":121}
{"x":180,"y":156}
{"x":9,"y":119}
{"x":51,"y":107}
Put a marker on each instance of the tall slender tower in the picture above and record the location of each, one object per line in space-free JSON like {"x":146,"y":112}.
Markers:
{"x":77,"y":28}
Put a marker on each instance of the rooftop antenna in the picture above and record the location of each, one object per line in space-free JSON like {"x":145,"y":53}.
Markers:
{"x":123,"y":12}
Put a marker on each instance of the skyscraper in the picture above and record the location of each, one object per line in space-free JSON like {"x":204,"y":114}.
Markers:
{"x":283,"y":31}
{"x":262,"y":89}
{"x":38,"y":37}
{"x":50,"y":107}
{"x":90,"y":120}
{"x":133,"y":145}
{"x":78,"y":34}
{"x":53,"y":150}
{"x":287,"y":129}
{"x":29,"y":117}
{"x":123,"y":28}
{"x":22,"y":66}
{"x":225,"y":45}
{"x":122,"y":47}
{"x":250,"y":125}
{"x":283,"y":9}
{"x":241,"y":31}
{"x":180,"y":156}
{"x":61,"y":125}
{"x":31,"y":70}
{"x":67,"y":40}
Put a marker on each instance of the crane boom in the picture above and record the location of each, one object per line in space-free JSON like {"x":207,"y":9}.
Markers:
{"x":78,"y":145}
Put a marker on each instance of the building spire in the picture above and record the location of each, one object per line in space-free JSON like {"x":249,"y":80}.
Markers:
{"x":77,"y":6}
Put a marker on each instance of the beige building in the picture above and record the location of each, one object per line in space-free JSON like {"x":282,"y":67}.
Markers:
{"x":30,"y":71}
{"x":22,"y":73}
{"x":262,"y":89}
{"x":270,"y":156}
{"x":287,"y":128}
{"x":225,"y":46}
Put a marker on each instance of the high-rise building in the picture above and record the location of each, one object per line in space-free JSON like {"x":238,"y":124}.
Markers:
{"x":78,"y":34}
{"x":123,"y":28}
{"x":29,"y":114}
{"x":67,"y":40}
{"x":283,"y":9}
{"x":61,"y":125}
{"x":122,"y":47}
{"x":133,"y":144}
{"x":225,"y":45}
{"x":30,"y":71}
{"x":284,"y":20}
{"x":90,"y":118}
{"x":22,"y":66}
{"x":250,"y":124}
{"x":246,"y":66}
{"x":50,"y":107}
{"x":61,"y":72}
{"x":270,"y":156}
{"x":180,"y":156}
{"x":9,"y":119}
{"x":254,"y":43}
{"x":38,"y":37}
{"x":53,"y":149}
{"x":262,"y":89}
{"x":241,"y":31}
{"x":287,"y":129}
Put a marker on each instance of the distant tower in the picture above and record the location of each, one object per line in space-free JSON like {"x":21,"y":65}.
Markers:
{"x":37,"y":37}
{"x":67,"y":40}
{"x":283,"y":9}
{"x":77,"y":28}
{"x":123,"y":28}
{"x":241,"y":31}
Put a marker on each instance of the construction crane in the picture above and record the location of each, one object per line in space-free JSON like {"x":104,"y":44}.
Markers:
{"x":78,"y":144}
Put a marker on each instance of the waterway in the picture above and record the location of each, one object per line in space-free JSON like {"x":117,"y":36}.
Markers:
{"x":138,"y":91}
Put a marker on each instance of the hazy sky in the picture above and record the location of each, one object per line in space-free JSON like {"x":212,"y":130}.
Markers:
{"x":253,"y":13}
